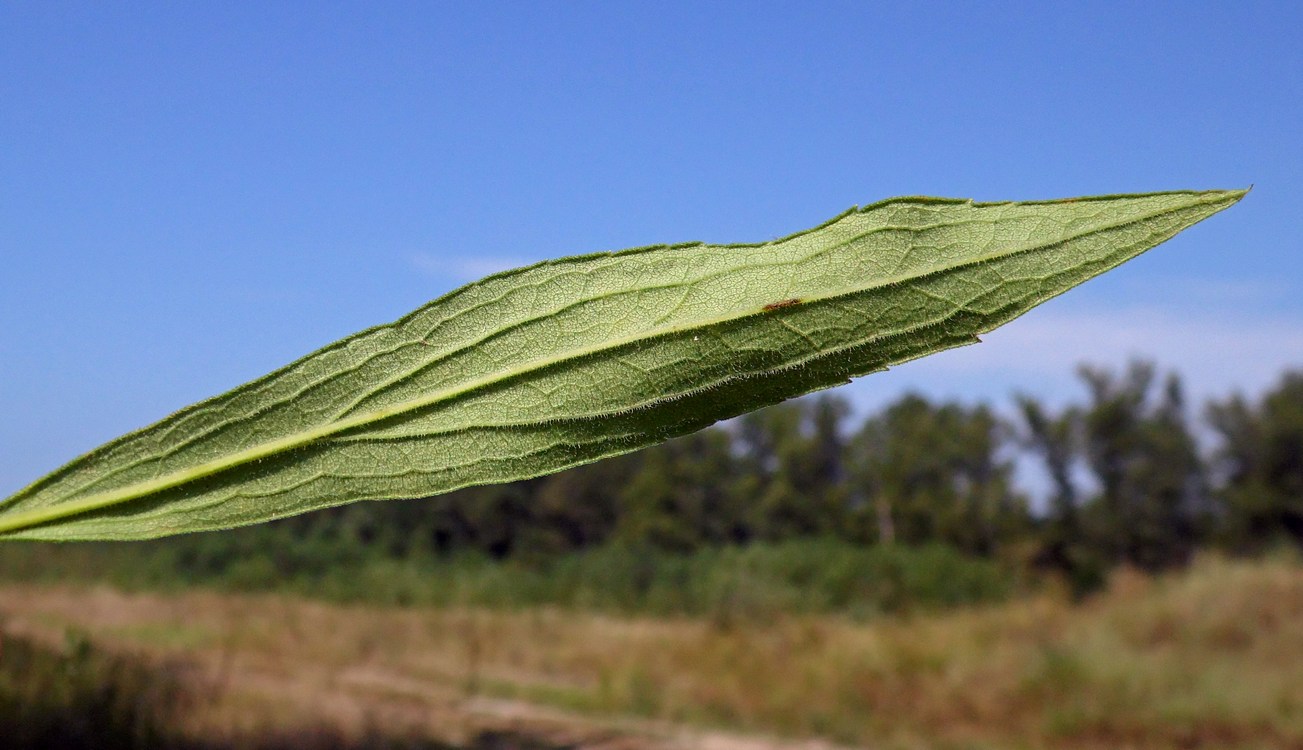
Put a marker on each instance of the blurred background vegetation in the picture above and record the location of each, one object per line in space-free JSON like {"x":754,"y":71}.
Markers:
{"x":782,"y":532}
{"x":797,"y":507}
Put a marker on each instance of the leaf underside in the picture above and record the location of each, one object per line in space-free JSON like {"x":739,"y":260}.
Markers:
{"x":542,"y":368}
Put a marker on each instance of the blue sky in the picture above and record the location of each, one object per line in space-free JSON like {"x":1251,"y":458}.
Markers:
{"x":192,"y":195}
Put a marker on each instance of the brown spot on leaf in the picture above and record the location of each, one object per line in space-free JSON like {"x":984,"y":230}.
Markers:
{"x":782,"y":304}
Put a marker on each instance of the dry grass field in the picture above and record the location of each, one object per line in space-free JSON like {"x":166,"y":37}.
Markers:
{"x":1212,"y":657}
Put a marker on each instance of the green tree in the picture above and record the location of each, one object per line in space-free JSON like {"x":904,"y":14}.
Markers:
{"x":1153,"y":507}
{"x":577,"y":508}
{"x":791,"y":467}
{"x":684,"y":495}
{"x":1064,"y":544}
{"x":1260,"y":462}
{"x":926,"y":472}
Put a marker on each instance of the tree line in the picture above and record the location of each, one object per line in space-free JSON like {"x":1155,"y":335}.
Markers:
{"x":1128,"y":483}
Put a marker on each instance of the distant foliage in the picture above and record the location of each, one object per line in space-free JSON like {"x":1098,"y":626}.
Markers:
{"x":925,"y":472}
{"x":912,"y":506}
{"x":1260,"y":465}
{"x":1149,"y":503}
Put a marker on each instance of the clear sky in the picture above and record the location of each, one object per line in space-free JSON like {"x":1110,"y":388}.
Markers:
{"x":192,"y":195}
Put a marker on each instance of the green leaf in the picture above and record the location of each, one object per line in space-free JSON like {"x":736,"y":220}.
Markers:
{"x":542,"y":368}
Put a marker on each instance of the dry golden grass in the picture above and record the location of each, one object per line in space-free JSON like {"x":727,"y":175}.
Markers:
{"x":1209,"y":658}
